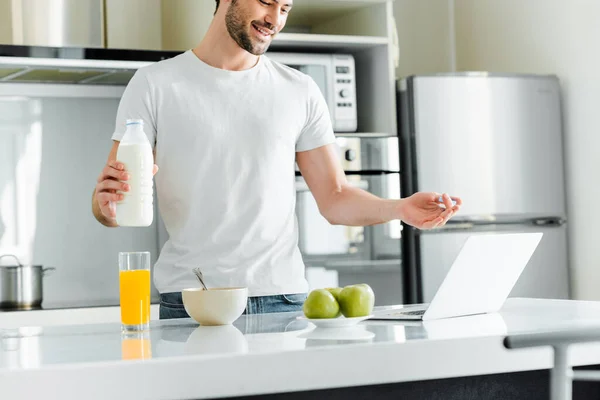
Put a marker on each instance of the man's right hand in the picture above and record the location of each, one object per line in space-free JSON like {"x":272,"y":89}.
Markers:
{"x":108,"y":188}
{"x":109,"y":185}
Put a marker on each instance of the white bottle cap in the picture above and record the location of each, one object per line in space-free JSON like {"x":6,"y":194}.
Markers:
{"x":134,"y":122}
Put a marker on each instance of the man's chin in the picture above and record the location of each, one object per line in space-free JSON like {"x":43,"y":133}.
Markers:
{"x":259,"y":50}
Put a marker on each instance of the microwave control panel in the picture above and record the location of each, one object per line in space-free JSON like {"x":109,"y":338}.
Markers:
{"x":344,"y":89}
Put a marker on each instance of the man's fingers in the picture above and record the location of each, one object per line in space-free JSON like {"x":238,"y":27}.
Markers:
{"x":111,"y":173}
{"x":105,"y":197}
{"x":112,"y":185}
{"x":439,"y":221}
{"x":447,"y":201}
{"x":116,"y":165}
{"x":457,"y":200}
{"x":447,"y":217}
{"x":109,"y":211}
{"x":432,"y":224}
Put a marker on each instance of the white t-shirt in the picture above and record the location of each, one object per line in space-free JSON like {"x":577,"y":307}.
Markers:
{"x":226,"y":143}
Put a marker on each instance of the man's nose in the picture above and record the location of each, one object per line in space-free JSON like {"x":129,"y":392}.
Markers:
{"x":273,"y":18}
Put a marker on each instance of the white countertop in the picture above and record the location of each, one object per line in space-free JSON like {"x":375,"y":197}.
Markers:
{"x":277,"y":353}
{"x":65,"y":316}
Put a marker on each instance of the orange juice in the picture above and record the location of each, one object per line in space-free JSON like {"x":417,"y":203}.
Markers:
{"x":135,"y":296}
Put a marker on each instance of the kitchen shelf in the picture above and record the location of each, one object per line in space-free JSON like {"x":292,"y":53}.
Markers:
{"x":326,"y":42}
{"x":299,"y":41}
{"x":307,"y":12}
{"x":344,"y":17}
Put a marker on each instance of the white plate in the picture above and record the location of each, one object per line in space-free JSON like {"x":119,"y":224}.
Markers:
{"x":339,"y":322}
{"x":357,"y":332}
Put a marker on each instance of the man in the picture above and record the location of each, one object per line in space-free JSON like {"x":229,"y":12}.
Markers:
{"x":227,"y":125}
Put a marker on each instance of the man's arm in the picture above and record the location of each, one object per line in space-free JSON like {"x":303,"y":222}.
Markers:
{"x":342,"y":204}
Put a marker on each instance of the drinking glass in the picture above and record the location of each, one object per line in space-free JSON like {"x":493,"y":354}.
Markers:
{"x":134,"y":290}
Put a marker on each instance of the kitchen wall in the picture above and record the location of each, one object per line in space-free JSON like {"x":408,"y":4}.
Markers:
{"x":51,"y":152}
{"x":559,"y":37}
{"x":425,"y":36}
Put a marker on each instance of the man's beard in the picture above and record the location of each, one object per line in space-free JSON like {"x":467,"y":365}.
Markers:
{"x":234,"y":20}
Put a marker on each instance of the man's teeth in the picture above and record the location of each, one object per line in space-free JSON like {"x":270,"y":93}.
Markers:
{"x":262,"y":31}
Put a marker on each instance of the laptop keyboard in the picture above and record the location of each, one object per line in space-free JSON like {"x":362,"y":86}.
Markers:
{"x":417,"y":312}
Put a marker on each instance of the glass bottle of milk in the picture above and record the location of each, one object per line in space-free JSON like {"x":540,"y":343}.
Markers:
{"x":135,"y":153}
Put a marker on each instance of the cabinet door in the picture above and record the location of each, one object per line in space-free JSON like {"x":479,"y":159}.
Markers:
{"x":185,"y":22}
{"x":55,"y":23}
{"x":5,"y":22}
{"x":133,"y":24}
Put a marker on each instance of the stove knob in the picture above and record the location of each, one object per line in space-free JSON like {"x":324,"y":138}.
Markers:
{"x":344,"y":93}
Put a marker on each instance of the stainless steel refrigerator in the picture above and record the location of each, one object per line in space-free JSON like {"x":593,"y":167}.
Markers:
{"x":496,"y":141}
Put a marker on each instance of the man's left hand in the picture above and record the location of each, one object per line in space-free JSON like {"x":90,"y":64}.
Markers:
{"x":423,"y":210}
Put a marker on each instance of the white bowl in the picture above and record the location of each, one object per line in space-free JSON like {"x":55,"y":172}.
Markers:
{"x":218,"y":306}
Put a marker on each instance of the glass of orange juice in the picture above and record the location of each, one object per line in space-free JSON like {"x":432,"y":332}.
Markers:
{"x":134,"y":290}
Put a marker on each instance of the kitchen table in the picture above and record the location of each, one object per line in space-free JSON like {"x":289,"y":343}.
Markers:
{"x":283,"y":356}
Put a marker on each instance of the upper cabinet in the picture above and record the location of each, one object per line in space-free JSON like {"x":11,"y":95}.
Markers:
{"x":5,"y":22}
{"x":54,"y":23}
{"x":184,"y":22}
{"x":133,"y":24}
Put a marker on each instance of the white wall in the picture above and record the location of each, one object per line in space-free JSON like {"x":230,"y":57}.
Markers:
{"x":51,"y":153}
{"x":424,"y":36}
{"x":561,"y":37}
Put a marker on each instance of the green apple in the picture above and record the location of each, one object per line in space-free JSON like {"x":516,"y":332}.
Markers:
{"x":356,"y":300}
{"x":335,"y":291}
{"x":320,"y":303}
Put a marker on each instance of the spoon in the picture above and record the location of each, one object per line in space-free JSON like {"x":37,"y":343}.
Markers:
{"x":198,"y":274}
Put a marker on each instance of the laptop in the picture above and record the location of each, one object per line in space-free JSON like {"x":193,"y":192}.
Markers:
{"x":478,"y":282}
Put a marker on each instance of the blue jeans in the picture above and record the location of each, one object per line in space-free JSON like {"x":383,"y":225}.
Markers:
{"x":171,"y":304}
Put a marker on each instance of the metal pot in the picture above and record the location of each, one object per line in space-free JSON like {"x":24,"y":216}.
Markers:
{"x":21,"y":285}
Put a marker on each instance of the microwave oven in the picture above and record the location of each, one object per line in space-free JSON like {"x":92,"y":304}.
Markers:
{"x":335,"y":75}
